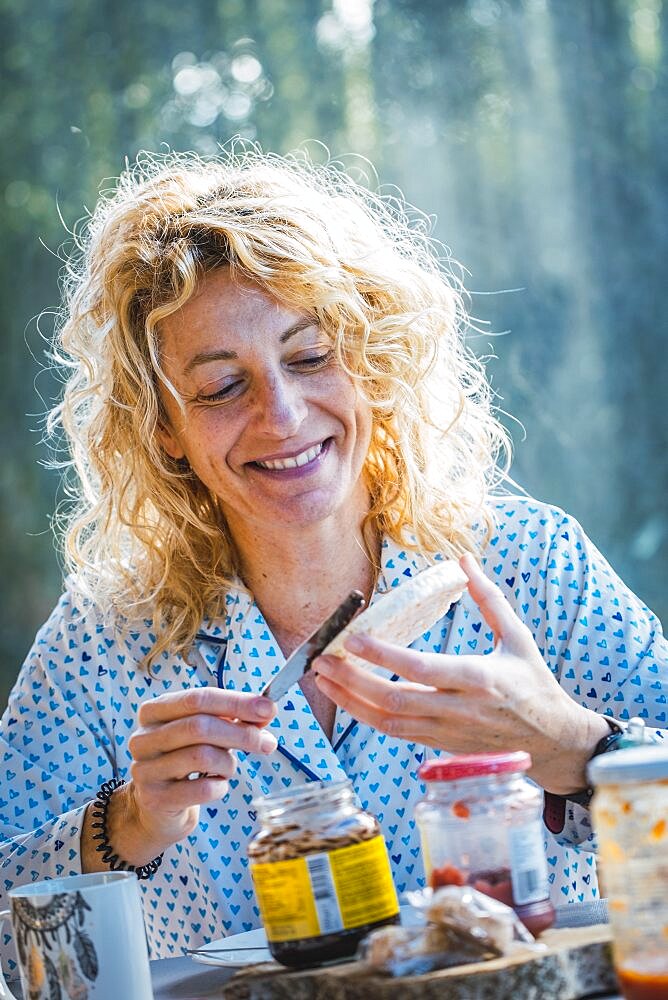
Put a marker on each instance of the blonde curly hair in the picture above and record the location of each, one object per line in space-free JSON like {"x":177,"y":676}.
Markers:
{"x":144,"y":537}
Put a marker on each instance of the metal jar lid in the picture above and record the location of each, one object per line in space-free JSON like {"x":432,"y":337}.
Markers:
{"x":645,"y":763}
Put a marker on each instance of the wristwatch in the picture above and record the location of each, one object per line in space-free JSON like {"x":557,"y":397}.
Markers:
{"x":554,"y":811}
{"x":609,"y":742}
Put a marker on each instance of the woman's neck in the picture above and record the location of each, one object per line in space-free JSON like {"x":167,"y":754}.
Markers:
{"x":299,"y":580}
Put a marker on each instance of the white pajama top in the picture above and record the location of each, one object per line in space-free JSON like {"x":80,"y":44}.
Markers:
{"x":75,"y":703}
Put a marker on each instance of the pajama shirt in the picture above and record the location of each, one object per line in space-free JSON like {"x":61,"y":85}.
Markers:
{"x":75,"y":703}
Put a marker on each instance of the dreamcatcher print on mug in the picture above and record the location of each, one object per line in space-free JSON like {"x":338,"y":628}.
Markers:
{"x":54,"y":949}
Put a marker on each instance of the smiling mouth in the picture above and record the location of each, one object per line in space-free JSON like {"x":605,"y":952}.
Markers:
{"x":294,"y":461}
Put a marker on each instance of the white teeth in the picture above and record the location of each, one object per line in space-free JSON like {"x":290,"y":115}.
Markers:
{"x":295,"y":461}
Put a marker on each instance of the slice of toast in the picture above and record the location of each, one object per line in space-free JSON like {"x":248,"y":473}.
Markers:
{"x":405,"y":613}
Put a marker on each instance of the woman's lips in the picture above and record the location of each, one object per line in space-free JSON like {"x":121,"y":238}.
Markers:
{"x":290,"y":469}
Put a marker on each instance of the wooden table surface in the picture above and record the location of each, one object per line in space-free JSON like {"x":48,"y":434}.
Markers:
{"x":183,"y":979}
{"x":574,"y":965}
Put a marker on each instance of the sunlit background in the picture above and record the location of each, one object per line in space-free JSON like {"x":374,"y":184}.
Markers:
{"x":534,"y":132}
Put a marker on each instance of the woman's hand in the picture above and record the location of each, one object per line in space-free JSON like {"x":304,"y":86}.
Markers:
{"x":506,"y":700}
{"x":193,"y":732}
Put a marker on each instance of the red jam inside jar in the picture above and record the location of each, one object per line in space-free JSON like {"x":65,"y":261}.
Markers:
{"x":536,"y":917}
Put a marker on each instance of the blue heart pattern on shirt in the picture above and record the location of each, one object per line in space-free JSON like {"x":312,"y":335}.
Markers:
{"x":75,"y":703}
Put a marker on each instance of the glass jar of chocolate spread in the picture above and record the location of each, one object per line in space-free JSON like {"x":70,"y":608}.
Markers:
{"x":321,"y":873}
{"x":481,"y":825}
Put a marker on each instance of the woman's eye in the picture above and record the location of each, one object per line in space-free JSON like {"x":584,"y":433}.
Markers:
{"x":227,"y":391}
{"x":311,"y":362}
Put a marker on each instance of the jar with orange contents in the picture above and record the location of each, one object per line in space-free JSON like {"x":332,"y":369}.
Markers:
{"x":630,"y":813}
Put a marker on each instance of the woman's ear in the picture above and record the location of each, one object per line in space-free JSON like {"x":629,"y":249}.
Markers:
{"x":170,"y":442}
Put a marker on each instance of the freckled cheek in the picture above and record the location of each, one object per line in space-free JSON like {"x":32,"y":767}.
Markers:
{"x":212,"y":448}
{"x":356,"y":409}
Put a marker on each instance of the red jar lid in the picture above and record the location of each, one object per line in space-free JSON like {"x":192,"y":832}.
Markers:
{"x":474,"y":764}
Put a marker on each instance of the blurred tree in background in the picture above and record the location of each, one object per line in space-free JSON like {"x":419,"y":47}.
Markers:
{"x":533,"y":130}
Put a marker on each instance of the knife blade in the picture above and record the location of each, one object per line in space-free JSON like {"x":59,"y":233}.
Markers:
{"x":300,"y":661}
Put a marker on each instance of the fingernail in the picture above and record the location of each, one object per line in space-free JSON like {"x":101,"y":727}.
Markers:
{"x":264,"y":707}
{"x":354,"y":644}
{"x":268,"y":743}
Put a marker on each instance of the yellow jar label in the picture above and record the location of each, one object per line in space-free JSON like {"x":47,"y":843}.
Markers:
{"x":325,"y":893}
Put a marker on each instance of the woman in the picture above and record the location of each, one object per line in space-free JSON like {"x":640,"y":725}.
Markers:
{"x":270,"y":403}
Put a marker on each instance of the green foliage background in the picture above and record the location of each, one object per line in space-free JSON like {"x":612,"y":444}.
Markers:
{"x":533,"y":130}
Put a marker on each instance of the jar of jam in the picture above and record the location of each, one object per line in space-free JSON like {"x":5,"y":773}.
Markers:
{"x":481,"y":825}
{"x":630,"y":814}
{"x":321,"y":873}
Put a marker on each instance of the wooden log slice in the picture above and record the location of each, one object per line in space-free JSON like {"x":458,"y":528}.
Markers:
{"x":576,"y":962}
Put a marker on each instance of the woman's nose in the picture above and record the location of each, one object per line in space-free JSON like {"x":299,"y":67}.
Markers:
{"x":281,"y":407}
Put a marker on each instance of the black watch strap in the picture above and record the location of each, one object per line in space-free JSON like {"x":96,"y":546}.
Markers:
{"x":554,"y":812}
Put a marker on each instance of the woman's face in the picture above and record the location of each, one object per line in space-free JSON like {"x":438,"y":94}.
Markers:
{"x":272,"y":425}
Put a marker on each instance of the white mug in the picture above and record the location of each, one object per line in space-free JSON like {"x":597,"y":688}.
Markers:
{"x":80,"y":938}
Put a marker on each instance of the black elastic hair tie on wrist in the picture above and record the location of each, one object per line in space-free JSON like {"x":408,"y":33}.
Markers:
{"x":99,"y":813}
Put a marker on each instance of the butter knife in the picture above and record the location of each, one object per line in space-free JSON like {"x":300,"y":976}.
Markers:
{"x":300,"y":661}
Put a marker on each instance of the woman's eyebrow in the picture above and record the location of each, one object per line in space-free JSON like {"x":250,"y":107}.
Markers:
{"x":301,"y":324}
{"x":204,"y":356}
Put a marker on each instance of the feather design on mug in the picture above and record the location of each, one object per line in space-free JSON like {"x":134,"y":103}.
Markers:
{"x":74,"y":985}
{"x":36,"y":973}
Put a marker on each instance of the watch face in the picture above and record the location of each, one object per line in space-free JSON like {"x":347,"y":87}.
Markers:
{"x":610,"y":742}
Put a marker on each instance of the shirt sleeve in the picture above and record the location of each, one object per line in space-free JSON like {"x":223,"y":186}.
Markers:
{"x":605,"y":647}
{"x":56,"y":750}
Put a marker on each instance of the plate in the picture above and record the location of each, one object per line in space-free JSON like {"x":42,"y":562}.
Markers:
{"x":250,"y":948}
{"x":235,"y":951}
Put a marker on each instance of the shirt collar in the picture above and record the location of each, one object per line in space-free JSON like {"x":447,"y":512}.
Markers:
{"x":396,"y":565}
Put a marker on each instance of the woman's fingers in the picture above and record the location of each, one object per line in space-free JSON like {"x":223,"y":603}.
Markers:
{"x":449,"y":673}
{"x":373,"y":687}
{"x":206,"y":701}
{"x":149,"y":742}
{"x":447,"y":715}
{"x":377,"y":699}
{"x":192,"y":732}
{"x":168,"y":805}
{"x":373,"y":714}
{"x":178,"y":764}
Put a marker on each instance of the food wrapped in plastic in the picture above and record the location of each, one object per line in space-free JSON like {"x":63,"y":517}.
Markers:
{"x":415,"y":951}
{"x":463,"y":926}
{"x":464,"y":908}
